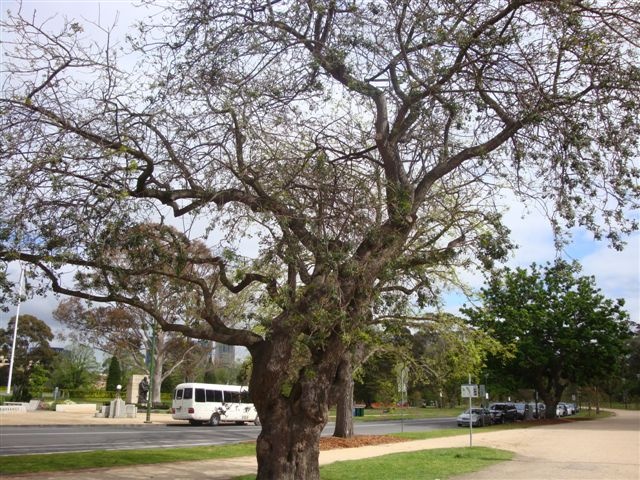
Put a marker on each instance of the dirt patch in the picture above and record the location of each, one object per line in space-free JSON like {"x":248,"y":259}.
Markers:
{"x":331,"y":443}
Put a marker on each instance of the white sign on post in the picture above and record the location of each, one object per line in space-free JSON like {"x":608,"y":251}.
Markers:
{"x":403,"y":379}
{"x":469,"y":391}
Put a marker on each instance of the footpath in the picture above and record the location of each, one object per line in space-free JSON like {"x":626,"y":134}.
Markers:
{"x":604,"y":449}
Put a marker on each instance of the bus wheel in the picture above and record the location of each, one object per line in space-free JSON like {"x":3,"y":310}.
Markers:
{"x":214,"y":421}
{"x":256,"y":422}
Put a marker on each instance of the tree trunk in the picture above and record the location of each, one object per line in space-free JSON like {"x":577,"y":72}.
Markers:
{"x":293,"y":406}
{"x":159,"y":355}
{"x":551,"y":399}
{"x":343,"y":397}
{"x":288,"y":448}
{"x":157,"y":381}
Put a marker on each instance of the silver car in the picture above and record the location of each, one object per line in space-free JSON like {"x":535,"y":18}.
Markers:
{"x":479,"y":417}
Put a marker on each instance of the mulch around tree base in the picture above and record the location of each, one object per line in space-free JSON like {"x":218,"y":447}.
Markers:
{"x":330,"y":443}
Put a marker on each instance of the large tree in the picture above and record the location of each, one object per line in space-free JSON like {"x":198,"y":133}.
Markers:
{"x":75,"y":368}
{"x":129,"y":330}
{"x":132,"y":333}
{"x":31,"y":348}
{"x":561,"y":328}
{"x":361,"y":143}
{"x":446,"y":350}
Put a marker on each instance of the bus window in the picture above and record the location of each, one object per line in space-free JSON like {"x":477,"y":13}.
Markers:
{"x":200,"y":396}
{"x":231,"y":397}
{"x":244,"y":397}
{"x":179,"y":394}
{"x":188,"y":393}
{"x":214,"y":396}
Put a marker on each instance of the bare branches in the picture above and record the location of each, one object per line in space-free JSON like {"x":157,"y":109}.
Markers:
{"x":354,"y":143}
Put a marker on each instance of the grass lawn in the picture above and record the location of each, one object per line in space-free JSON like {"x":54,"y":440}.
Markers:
{"x":434,"y":464}
{"x":55,"y":462}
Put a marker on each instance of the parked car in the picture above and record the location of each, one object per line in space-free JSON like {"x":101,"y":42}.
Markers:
{"x":521,"y":409}
{"x":503,"y":412}
{"x":539,"y":410}
{"x":562,"y":410}
{"x":479,"y":417}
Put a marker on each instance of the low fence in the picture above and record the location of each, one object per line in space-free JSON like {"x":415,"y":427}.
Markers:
{"x":13,"y":407}
{"x":76,"y":407}
{"x":19,"y":407}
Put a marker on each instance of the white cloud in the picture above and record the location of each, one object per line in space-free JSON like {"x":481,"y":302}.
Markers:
{"x":617,"y":273}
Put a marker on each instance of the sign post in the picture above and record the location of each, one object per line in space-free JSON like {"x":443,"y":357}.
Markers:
{"x":403,"y":380}
{"x":470,"y":391}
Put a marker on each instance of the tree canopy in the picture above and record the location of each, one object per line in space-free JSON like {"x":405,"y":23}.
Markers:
{"x":32,"y":349}
{"x":561,"y":328}
{"x":361,"y":144}
{"x":75,"y":368}
{"x":114,"y":375}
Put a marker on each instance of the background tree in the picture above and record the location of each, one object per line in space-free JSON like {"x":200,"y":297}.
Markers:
{"x":632,"y":367}
{"x":32,"y":348}
{"x":445,"y":350}
{"x":39,"y":381}
{"x":114,"y":375}
{"x":131,"y":330}
{"x":375,"y":381}
{"x":361,"y":143}
{"x":75,"y":368}
{"x":561,"y":328}
{"x":128,"y":331}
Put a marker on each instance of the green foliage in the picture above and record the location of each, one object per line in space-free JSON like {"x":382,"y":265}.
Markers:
{"x":75,"y":368}
{"x":375,"y":379}
{"x":561,"y":328}
{"x":38,"y":379}
{"x":114,"y":376}
{"x":33,"y":355}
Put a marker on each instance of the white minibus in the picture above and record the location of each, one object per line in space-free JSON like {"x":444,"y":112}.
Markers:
{"x":213,"y":403}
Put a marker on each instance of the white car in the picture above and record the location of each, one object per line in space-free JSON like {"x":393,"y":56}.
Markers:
{"x":479,"y":417}
{"x":562,"y":410}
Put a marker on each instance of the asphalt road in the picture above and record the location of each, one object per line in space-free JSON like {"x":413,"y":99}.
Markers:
{"x":17,"y":440}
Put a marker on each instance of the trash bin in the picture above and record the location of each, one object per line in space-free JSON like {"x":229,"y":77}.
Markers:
{"x":358,"y":412}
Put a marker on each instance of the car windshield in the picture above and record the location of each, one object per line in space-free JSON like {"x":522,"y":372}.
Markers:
{"x":476,"y":411}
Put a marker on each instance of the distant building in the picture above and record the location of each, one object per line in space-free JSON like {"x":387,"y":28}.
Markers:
{"x":223,"y":355}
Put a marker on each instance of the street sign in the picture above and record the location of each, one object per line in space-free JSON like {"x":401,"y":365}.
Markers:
{"x":469,"y":391}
